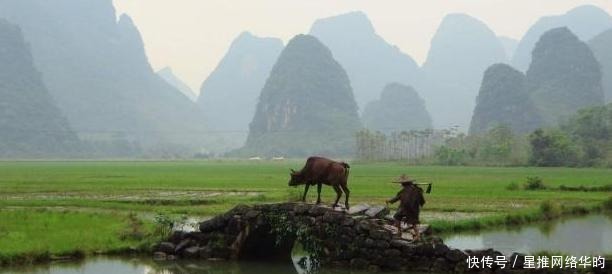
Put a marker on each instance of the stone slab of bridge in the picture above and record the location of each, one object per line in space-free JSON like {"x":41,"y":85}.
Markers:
{"x":333,"y":238}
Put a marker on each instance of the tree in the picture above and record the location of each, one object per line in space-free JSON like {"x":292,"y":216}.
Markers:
{"x":552,"y":148}
{"x":591,"y":130}
{"x":498,"y":146}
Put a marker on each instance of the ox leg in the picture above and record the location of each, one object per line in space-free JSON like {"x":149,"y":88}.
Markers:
{"x":338,"y":195}
{"x":305,"y":191}
{"x":319,"y":185}
{"x":346,"y":195}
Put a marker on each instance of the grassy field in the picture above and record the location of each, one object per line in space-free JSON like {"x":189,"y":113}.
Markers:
{"x":36,"y":235}
{"x":206,"y":187}
{"x":107,"y":192}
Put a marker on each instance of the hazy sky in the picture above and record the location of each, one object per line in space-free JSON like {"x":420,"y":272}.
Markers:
{"x":191,"y":36}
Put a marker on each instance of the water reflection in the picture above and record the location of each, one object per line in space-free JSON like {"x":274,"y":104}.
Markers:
{"x":106,"y":265}
{"x":221,"y":268}
{"x":588,"y":235}
{"x":95,"y":265}
{"x":114,"y":265}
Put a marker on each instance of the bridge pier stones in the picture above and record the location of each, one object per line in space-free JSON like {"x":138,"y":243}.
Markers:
{"x":334,"y":239}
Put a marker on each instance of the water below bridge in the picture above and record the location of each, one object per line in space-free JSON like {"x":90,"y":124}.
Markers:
{"x":145,"y":265}
{"x":587,"y":235}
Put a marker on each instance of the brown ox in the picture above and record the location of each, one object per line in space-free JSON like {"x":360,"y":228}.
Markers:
{"x":319,"y":171}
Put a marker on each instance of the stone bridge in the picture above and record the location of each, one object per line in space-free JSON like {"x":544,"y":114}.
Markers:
{"x":334,"y":239}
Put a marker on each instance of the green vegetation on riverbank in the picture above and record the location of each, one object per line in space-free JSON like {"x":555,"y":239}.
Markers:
{"x":28,"y":236}
{"x":95,"y":198}
{"x":547,"y":211}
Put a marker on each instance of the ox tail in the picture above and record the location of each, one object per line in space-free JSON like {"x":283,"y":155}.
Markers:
{"x":347,"y":169}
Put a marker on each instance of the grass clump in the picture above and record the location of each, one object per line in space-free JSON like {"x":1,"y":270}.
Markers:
{"x":549,"y":210}
{"x":607,"y":204}
{"x":135,"y":229}
{"x":512,"y":186}
{"x":534,"y":183}
{"x":606,"y":188}
{"x":163,"y":225}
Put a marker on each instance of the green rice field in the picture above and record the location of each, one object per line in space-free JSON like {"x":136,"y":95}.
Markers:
{"x":41,"y":201}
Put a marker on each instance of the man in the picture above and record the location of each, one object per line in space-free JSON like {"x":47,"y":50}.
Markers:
{"x":411,"y":200}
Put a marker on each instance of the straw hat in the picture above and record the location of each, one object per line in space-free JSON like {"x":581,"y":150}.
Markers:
{"x":403,"y":179}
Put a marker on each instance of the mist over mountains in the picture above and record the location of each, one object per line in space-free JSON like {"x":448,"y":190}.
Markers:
{"x":229,"y":95}
{"x":79,"y":74}
{"x":509,"y":45}
{"x":504,"y":100}
{"x":585,"y":22}
{"x":168,"y":75}
{"x":601,"y":45}
{"x":31,"y":125}
{"x":400,"y":108}
{"x":370,"y":61}
{"x":96,"y":69}
{"x":564,"y":76}
{"x":461,"y":50}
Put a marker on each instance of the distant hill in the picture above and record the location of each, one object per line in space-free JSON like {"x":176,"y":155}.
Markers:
{"x":601,"y":46}
{"x":229,"y":95}
{"x":97,"y":70}
{"x":369,"y":60}
{"x":504,"y":100}
{"x":563,"y":77}
{"x":509,"y":45}
{"x":400,"y":108}
{"x":30,"y":123}
{"x":306,"y":106}
{"x":168,"y":75}
{"x":584,"y":21}
{"x":462,"y":48}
